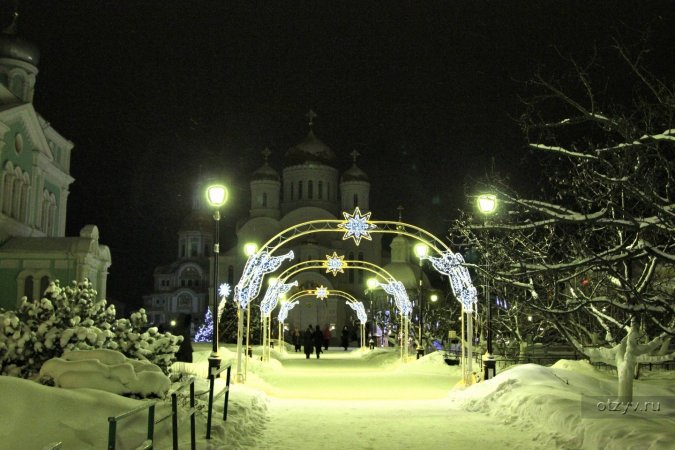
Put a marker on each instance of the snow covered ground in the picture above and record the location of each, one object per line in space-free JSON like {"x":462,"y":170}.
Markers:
{"x":365,"y":400}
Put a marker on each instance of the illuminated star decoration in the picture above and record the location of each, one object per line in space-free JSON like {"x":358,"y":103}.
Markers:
{"x":321,"y":292}
{"x":356,"y":226}
{"x":334,"y":263}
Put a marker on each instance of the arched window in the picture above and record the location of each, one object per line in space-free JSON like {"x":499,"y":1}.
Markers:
{"x":320,"y":188}
{"x":351,"y":272}
{"x":299,"y":190}
{"x":356,"y":200}
{"x":310,"y":189}
{"x":7,"y":184}
{"x":264,"y":200}
{"x":28,"y":288}
{"x":44,"y":284}
{"x":292,"y":193}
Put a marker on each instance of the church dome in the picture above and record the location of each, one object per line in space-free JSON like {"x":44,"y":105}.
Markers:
{"x":311,"y":149}
{"x":198,"y":221}
{"x":354,"y":173}
{"x":12,"y":46}
{"x":265,"y":172}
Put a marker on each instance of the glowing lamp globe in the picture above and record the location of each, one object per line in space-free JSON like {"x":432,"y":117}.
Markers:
{"x":372,"y":283}
{"x":487,"y":203}
{"x":216,"y":194}
{"x":421,"y":250}
{"x":250,"y":248}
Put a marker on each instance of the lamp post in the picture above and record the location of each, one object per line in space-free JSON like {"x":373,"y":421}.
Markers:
{"x":216,"y":195}
{"x":487,"y":204}
{"x":421,"y":250}
{"x":372,"y":284}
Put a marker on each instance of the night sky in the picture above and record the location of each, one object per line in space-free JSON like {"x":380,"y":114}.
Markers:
{"x":154,"y":94}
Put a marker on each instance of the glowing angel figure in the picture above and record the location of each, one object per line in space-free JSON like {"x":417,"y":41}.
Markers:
{"x":255,"y":269}
{"x":452,"y":265}
{"x":360,"y":311}
{"x":397,"y":290}
{"x":276,"y":290}
{"x":285,"y":307}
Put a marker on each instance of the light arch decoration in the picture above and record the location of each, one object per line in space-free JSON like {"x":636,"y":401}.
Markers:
{"x":358,"y":226}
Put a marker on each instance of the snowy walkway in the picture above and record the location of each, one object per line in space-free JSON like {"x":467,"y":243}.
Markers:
{"x":341,"y":401}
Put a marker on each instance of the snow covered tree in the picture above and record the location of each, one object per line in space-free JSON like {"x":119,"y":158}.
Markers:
{"x":72,"y":318}
{"x":593,"y":248}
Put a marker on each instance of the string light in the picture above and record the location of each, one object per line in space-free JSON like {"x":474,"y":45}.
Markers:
{"x":360,"y":311}
{"x":276,"y":290}
{"x":452,"y":265}
{"x":255,"y":269}
{"x":321,"y":292}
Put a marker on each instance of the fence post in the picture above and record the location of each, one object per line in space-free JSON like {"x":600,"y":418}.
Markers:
{"x":193,"y":440}
{"x":174,"y":419}
{"x":151,"y":422}
{"x":112,"y":431}
{"x":212,"y":380}
{"x":227,"y":393}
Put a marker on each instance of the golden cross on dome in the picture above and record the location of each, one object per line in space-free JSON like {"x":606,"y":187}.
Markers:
{"x":355,"y":154}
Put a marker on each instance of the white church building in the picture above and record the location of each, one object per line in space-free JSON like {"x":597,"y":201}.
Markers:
{"x":310,"y":186}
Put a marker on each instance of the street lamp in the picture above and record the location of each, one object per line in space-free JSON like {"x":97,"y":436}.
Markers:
{"x":421,"y":250}
{"x":372,"y":284}
{"x":216,"y":195}
{"x":487,"y":204}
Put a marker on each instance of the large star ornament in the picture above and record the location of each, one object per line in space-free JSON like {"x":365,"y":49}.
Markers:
{"x":334,"y":263}
{"x":356,"y":226}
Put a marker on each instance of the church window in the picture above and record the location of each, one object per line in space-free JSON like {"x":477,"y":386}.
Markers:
{"x":351,"y":272}
{"x":48,"y":212}
{"x":194,"y":248}
{"x":292,"y":193}
{"x":8,"y":182}
{"x":264,"y":200}
{"x":320,"y":188}
{"x":230,"y":275}
{"x":299,"y":190}
{"x":18,"y":143}
{"x":327,"y":191}
{"x":356,"y":200}
{"x":184,"y":301}
{"x":28,"y":288}
{"x":310,"y":189}
{"x":360,"y":272}
{"x":44,"y":284}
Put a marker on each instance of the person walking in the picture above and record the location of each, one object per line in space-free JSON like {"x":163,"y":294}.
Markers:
{"x":344,"y":337}
{"x":326,"y":336}
{"x":297,"y":338}
{"x":308,"y":341}
{"x":318,"y":340}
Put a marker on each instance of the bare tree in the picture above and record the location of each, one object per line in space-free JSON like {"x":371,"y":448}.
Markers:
{"x":593,"y":248}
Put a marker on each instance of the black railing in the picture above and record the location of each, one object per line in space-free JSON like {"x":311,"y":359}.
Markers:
{"x":112,"y":426}
{"x":226,"y":391}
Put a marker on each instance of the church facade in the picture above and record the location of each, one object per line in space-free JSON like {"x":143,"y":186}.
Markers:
{"x":34,"y":187}
{"x":310,"y":186}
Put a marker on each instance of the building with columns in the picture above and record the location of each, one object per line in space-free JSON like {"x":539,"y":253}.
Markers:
{"x":34,"y":186}
{"x":310,"y":186}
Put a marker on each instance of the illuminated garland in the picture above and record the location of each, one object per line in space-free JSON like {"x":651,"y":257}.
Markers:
{"x":360,"y":311}
{"x":356,"y":226}
{"x":285,"y":307}
{"x":255,"y":269}
{"x":397,"y":290}
{"x":452,"y":265}
{"x":276,"y":290}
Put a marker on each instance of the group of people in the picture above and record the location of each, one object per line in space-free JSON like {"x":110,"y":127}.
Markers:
{"x":314,"y":340}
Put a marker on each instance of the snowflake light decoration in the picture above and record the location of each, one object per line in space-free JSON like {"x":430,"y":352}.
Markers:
{"x":321,"y":292}
{"x":356,"y":226}
{"x":224,"y":290}
{"x":334,"y":263}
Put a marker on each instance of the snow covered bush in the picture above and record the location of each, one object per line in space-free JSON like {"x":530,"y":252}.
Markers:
{"x":72,"y":318}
